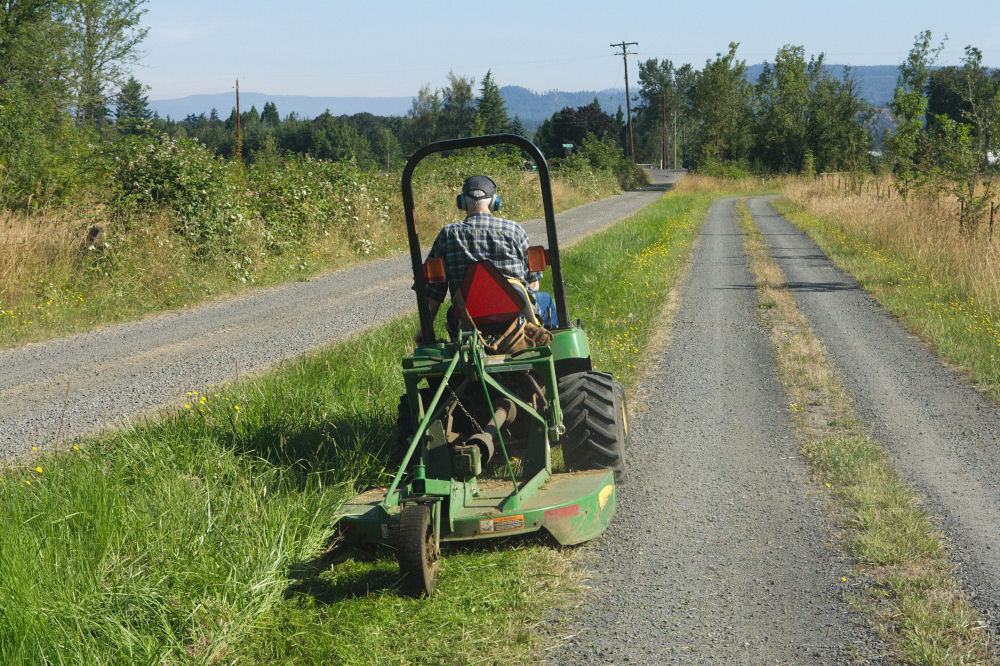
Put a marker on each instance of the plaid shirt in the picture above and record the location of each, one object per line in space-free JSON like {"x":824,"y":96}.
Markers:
{"x":480,"y":236}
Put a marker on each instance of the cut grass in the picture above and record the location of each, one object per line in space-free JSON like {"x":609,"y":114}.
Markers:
{"x":203,"y":535}
{"x":909,"y":590}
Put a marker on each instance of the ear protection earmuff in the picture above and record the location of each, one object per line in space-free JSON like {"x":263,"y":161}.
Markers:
{"x":494,"y":204}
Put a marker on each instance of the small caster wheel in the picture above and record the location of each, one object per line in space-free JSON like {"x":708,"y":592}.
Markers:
{"x":417,"y":553}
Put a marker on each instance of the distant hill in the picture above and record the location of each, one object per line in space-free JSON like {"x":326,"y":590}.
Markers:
{"x":876,"y":83}
{"x":532,"y":107}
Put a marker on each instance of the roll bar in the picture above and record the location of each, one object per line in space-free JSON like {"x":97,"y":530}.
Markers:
{"x":416,"y":257}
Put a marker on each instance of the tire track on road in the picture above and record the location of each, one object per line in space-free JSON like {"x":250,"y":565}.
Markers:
{"x":719,"y":552}
{"x":73,"y":385}
{"x":941,"y":431}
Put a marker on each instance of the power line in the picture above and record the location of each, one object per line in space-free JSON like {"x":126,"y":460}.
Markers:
{"x":628,"y":99}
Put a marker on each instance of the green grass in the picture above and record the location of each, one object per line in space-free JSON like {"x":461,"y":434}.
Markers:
{"x":931,"y":303}
{"x":909,"y":591}
{"x":203,"y":534}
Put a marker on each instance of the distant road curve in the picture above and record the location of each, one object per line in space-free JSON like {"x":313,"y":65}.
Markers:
{"x":70,"y":386}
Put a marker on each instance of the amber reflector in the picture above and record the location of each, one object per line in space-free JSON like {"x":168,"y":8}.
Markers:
{"x":434,"y":270}
{"x":538,"y":258}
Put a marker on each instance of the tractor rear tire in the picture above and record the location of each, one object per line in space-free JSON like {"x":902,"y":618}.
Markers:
{"x":417,"y":552}
{"x":593,"y":410}
{"x":621,"y":411}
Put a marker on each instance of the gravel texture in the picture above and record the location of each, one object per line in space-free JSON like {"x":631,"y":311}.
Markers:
{"x":63,"y":388}
{"x":719,"y":552}
{"x":941,"y":432}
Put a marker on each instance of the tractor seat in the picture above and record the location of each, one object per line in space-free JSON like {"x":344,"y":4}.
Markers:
{"x":491,"y":301}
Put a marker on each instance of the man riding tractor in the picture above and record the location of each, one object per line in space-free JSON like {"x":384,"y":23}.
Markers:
{"x":482,"y":236}
{"x":484,"y":408}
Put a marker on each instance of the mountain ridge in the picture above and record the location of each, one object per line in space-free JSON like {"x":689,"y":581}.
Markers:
{"x":875,"y":84}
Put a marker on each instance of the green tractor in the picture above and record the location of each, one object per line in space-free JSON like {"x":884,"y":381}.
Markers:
{"x":479,"y":419}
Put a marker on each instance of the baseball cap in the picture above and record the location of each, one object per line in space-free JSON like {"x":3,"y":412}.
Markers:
{"x":479,"y":187}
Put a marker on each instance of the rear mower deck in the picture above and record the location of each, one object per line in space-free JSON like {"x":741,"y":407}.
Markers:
{"x":572,"y":506}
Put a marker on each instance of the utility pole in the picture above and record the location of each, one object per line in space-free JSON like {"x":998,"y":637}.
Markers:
{"x":628,"y":99}
{"x":663,"y":131}
{"x":239,"y":145}
{"x":675,"y":138}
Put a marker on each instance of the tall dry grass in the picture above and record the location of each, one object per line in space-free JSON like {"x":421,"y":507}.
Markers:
{"x":923,"y":227}
{"x":33,"y":245}
{"x":695,"y":183}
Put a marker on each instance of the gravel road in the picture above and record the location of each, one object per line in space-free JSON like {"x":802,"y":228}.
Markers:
{"x":941,"y":432}
{"x":719,"y":552}
{"x":67,"y":387}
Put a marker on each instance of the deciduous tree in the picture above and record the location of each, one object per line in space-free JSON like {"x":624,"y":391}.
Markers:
{"x":720,"y":99}
{"x":907,"y":143}
{"x":104,"y":36}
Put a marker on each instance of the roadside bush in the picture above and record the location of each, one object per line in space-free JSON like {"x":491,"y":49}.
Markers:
{"x":155,"y":173}
{"x":44,"y":160}
{"x":603,"y":156}
{"x":302,"y":198}
{"x":727,"y":170}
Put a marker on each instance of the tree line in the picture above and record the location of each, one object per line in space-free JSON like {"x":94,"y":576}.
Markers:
{"x":366,"y":139}
{"x":795,"y":117}
{"x":67,"y":102}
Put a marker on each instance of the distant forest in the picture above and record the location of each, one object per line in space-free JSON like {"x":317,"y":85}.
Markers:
{"x":876,"y":84}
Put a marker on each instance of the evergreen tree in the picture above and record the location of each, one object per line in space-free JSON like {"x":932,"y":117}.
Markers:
{"x":269,"y":116}
{"x":333,"y":139}
{"x":251,"y":117}
{"x":133,"y":114}
{"x":517,"y":127}
{"x":491,"y":111}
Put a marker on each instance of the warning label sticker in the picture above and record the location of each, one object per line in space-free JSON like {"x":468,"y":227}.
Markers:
{"x":502,"y":524}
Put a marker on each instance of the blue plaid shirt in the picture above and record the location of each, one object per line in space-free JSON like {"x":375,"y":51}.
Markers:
{"x":480,"y":236}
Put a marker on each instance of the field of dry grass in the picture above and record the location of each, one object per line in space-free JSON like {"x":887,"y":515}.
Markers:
{"x":924,"y":228}
{"x":943,"y":283}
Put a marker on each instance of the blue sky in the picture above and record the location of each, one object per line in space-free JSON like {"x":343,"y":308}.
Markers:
{"x":384,"y":48}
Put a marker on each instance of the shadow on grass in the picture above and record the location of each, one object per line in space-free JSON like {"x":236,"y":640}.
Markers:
{"x":350,"y":446}
{"x":381,"y":574}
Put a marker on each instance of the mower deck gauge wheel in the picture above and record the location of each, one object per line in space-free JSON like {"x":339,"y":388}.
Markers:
{"x":417,"y":552}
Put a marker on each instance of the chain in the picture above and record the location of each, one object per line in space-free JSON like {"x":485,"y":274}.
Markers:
{"x":465,"y":411}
